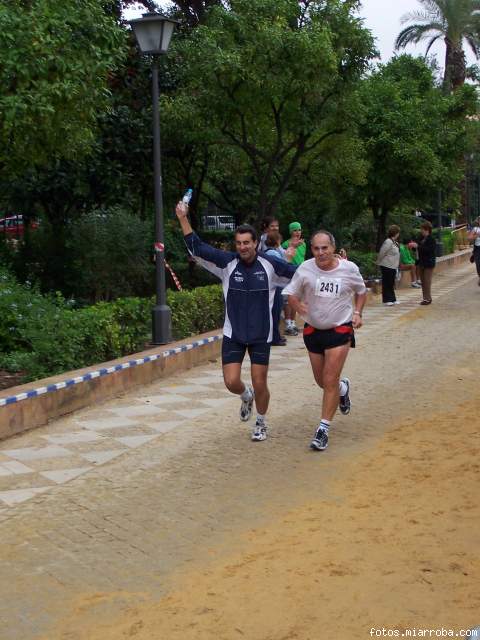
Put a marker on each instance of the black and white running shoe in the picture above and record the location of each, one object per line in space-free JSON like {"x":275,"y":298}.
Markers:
{"x":320,"y":441}
{"x":259,"y":432}
{"x":344,"y":403}
{"x":291,"y":331}
{"x":246,"y":406}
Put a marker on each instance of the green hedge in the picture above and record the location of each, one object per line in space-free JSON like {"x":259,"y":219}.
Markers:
{"x":45,"y":335}
{"x":365,"y":261}
{"x":448,"y":240}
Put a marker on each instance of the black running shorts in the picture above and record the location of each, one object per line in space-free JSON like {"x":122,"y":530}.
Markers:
{"x":318,"y":340}
{"x":233,"y":351}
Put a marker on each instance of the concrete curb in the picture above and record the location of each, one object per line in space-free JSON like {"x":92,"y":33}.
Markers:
{"x":25,"y":407}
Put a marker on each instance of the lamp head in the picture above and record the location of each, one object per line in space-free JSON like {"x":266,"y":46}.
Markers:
{"x":153,"y":32}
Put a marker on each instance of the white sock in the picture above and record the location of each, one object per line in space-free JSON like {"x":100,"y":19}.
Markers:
{"x":260,"y":418}
{"x":247,"y":393}
{"x":342,"y":387}
{"x":324,"y":424}
{"x":289,"y":323}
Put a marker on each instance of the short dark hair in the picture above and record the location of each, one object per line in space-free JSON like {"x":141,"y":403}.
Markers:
{"x":246,"y":228}
{"x":325,"y":233}
{"x":427,"y":226}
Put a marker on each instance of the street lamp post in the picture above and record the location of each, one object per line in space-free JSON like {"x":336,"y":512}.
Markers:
{"x":153,"y":32}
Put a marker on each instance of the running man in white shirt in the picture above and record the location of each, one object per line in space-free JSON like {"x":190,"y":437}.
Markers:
{"x":329,"y":294}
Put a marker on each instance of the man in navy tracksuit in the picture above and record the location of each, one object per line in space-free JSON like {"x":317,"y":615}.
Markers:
{"x":249,"y":281}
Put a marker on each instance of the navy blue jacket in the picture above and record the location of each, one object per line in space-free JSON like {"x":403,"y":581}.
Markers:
{"x":248,"y":289}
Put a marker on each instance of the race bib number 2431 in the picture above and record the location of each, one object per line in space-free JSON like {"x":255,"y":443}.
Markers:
{"x":328,"y":287}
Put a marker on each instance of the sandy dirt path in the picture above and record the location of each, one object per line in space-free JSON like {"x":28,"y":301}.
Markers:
{"x":274,"y":542}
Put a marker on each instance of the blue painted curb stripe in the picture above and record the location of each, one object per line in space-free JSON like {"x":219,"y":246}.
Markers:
{"x":70,"y":382}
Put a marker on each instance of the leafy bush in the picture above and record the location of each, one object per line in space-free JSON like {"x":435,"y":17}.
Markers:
{"x":46,"y":335}
{"x":110,"y":255}
{"x":448,"y":240}
{"x":365,"y":261}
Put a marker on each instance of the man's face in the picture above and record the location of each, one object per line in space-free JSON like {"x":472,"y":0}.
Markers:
{"x":323,"y":250}
{"x":246,"y":246}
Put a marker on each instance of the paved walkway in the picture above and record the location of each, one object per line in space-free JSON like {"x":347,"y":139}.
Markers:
{"x":81,"y":500}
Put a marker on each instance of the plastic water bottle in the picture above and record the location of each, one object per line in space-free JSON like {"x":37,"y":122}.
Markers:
{"x":187,"y":197}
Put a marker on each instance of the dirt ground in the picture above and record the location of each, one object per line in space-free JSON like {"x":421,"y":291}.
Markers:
{"x":379,"y":533}
{"x":395,"y":546}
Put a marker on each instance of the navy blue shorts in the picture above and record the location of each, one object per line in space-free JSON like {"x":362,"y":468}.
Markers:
{"x":318,"y":340}
{"x":233,"y":351}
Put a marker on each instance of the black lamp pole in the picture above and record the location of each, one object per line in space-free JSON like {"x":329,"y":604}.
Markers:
{"x":153,"y":33}
{"x":161,"y":314}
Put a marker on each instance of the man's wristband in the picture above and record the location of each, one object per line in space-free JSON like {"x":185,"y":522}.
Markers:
{"x":358,"y":313}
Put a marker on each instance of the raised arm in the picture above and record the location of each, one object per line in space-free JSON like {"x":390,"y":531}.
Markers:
{"x":211,"y":258}
{"x":182,"y":215}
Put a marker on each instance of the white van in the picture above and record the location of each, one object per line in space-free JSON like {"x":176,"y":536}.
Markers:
{"x":222,"y":223}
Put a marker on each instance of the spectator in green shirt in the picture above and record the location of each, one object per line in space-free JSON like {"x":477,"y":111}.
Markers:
{"x":407,"y":263}
{"x":296,"y":241}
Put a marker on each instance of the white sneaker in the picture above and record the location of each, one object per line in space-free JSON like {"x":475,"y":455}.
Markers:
{"x":415,"y":285}
{"x":246,"y":406}
{"x":389,"y":304}
{"x":259,"y":432}
{"x":397,"y":302}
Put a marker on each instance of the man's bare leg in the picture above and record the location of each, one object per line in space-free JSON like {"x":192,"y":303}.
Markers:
{"x":327,"y":369}
{"x":233,"y":382}
{"x":262,"y":393}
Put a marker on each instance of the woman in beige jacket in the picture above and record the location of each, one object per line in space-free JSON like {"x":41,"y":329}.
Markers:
{"x":388,"y":261}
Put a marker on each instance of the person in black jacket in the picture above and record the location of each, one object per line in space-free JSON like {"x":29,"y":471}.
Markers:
{"x":426,"y":247}
{"x":249,"y":281}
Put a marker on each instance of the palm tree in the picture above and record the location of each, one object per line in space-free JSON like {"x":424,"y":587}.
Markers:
{"x":455,"y":21}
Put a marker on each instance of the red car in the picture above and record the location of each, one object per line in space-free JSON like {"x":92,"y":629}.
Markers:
{"x":13,"y":226}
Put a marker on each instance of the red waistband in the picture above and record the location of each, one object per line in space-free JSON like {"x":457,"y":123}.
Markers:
{"x":343,"y":328}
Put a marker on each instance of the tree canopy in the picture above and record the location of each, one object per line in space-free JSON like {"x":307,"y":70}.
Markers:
{"x":56,"y":61}
{"x":414,"y":136}
{"x":263,"y":80}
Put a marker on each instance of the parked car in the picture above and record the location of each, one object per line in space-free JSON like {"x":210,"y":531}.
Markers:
{"x":13,"y":226}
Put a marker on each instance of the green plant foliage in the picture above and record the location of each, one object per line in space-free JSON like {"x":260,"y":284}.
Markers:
{"x":102,"y":255}
{"x":267,"y":82}
{"x":448,"y":240}
{"x":110,"y":255}
{"x":365,"y":261}
{"x":46,"y":335}
{"x":56,"y":58}
{"x":414,"y":137}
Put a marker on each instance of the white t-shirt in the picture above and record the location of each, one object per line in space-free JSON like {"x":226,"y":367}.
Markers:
{"x":477,"y":239}
{"x":328,"y":294}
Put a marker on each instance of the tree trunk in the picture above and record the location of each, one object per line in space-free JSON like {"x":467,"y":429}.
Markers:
{"x":380,"y":216}
{"x":455,"y":66}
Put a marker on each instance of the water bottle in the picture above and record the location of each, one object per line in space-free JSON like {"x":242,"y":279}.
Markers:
{"x":187,"y":197}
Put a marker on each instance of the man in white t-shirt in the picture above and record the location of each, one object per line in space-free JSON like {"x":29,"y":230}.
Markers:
{"x":474,"y":235}
{"x":329,"y":294}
